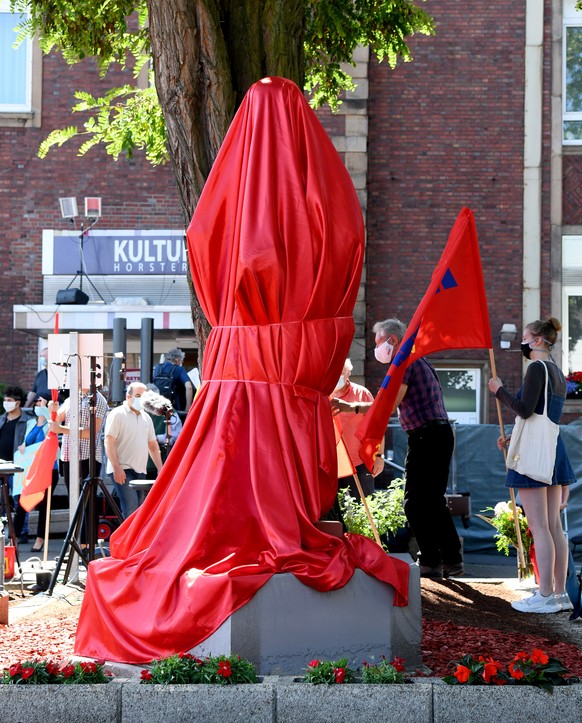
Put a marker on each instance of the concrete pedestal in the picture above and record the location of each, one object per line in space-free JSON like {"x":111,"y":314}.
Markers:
{"x":288,"y":624}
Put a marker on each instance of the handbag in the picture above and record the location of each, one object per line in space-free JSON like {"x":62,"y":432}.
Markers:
{"x":532,"y":448}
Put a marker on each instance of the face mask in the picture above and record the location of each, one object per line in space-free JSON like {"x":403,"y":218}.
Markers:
{"x":42,"y":362}
{"x":9,"y":406}
{"x":42,"y":412}
{"x":526,"y":349}
{"x":137,"y":404}
{"x":341,"y":383}
{"x":383,"y":353}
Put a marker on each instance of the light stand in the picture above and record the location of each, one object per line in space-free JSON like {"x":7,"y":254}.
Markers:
{"x":87,"y":498}
{"x":92,"y":212}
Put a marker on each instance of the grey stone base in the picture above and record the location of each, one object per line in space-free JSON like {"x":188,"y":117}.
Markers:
{"x":287,"y":624}
{"x":281,"y":700}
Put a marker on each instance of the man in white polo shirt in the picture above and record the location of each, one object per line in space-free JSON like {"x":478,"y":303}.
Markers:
{"x":129,"y":438}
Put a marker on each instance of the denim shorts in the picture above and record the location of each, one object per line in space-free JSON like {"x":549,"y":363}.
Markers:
{"x":520,"y":481}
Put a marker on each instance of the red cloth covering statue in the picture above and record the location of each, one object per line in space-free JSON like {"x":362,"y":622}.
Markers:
{"x":276,"y":247}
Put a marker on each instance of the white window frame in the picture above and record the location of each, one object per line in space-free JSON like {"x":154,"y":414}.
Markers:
{"x":572,"y":19}
{"x":28,"y":114}
{"x":478,"y":370}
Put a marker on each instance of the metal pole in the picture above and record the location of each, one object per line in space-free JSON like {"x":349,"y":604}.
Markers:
{"x":117,"y":382}
{"x":147,"y":350}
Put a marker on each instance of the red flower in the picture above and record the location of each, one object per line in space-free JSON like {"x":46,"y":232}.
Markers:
{"x":224,"y":668}
{"x":516,"y":673}
{"x":188,"y":656}
{"x":490,"y":671}
{"x":68,"y":671}
{"x":15,"y":669}
{"x":146,"y":675}
{"x":313,"y":664}
{"x":398,"y":664}
{"x":340,"y":674}
{"x":88,"y":667}
{"x":27,"y":672}
{"x":52,"y":668}
{"x":538,"y":656}
{"x":521,"y":656}
{"x":462,"y":673}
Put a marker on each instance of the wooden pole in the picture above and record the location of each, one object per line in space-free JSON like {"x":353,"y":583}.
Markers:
{"x":47,"y":524}
{"x":520,"y":552}
{"x":368,"y":513}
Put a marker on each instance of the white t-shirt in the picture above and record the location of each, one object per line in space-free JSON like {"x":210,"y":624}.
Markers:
{"x":132,"y":433}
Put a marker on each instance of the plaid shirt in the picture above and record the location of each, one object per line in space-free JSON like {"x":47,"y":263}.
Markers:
{"x":423,"y":401}
{"x":84,"y":417}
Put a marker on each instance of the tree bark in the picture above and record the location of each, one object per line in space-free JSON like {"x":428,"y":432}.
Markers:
{"x":206,"y":54}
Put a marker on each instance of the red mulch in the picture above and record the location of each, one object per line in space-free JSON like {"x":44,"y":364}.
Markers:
{"x":459,"y":618}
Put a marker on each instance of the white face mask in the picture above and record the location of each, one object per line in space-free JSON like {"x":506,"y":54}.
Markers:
{"x":137,"y":404}
{"x":42,"y":362}
{"x":341,"y":383}
{"x":42,"y":412}
{"x":9,"y":406}
{"x":383,"y":352}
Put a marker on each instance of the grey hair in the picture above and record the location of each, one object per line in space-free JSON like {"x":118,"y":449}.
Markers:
{"x":348,"y":365}
{"x":176,"y":354}
{"x":390,"y":327}
{"x":133,"y":385}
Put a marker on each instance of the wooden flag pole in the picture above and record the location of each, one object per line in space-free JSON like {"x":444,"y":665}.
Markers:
{"x":520,"y":552}
{"x":47,"y":524}
{"x":368,"y":513}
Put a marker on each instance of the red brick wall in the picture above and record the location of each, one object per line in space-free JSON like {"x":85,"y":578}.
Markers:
{"x":135,"y":195}
{"x":446,"y":131}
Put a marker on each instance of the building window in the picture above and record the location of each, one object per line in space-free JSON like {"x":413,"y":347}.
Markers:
{"x":20,"y":73}
{"x":461,"y":393}
{"x":572,"y":74}
{"x":571,"y":303}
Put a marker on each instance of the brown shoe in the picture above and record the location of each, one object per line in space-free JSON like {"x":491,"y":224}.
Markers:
{"x":456,"y":570}
{"x":434,"y":573}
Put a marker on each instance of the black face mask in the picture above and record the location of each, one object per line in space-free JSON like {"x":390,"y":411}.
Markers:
{"x":526,"y":349}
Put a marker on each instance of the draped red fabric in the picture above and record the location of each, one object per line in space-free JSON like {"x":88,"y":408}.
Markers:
{"x":276,"y":248}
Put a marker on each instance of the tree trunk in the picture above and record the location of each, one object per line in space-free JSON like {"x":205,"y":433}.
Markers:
{"x":206,"y":55}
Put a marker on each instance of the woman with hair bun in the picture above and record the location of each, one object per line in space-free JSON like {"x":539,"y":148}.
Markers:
{"x":542,"y":502}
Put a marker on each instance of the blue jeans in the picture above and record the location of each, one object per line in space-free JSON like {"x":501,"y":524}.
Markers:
{"x":129,"y":497}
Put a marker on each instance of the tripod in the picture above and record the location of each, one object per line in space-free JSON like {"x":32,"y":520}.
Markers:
{"x":87,"y":500}
{"x":81,"y":273}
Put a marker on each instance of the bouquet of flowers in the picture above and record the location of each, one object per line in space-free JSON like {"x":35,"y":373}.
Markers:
{"x":574,"y":384}
{"x":503,"y":522}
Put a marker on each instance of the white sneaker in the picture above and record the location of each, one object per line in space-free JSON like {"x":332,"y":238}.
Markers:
{"x":563,"y":600}
{"x":538,"y":603}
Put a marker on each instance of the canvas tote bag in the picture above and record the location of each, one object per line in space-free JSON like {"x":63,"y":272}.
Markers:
{"x":532,"y":448}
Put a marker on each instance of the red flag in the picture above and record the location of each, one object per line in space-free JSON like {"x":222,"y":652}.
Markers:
{"x":345,"y":467}
{"x":452,"y":315}
{"x":40,"y":475}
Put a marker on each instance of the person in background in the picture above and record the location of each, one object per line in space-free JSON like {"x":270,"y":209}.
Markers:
{"x":36,"y":431}
{"x":13,"y":425}
{"x":348,"y":391}
{"x":40,"y":385}
{"x":181,"y":390}
{"x":129,"y":439}
{"x":542,"y":502}
{"x":423,"y":417}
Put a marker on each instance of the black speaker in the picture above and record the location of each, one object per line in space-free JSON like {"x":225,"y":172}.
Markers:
{"x":72,"y":296}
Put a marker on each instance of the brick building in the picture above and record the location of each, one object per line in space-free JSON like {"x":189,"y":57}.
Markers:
{"x":488,"y":115}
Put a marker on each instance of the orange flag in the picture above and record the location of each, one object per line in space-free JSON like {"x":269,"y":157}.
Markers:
{"x":452,"y":315}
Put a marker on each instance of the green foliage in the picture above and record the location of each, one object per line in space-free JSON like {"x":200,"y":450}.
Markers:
{"x":334,"y":29}
{"x":110,"y":33}
{"x":384,"y":673}
{"x":329,"y":672}
{"x":125,"y":119}
{"x":185,"y":668}
{"x":386,"y":508}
